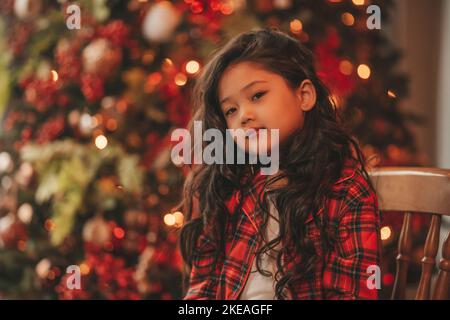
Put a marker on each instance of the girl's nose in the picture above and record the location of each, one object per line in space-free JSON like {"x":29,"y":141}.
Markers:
{"x":247,"y":115}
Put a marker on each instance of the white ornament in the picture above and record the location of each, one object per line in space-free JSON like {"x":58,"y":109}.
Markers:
{"x":160,"y":22}
{"x":43,"y":268}
{"x":27,"y":9}
{"x":94,"y":53}
{"x":24,"y":174}
{"x":5,"y":162}
{"x":86,"y":124}
{"x":25,"y":213}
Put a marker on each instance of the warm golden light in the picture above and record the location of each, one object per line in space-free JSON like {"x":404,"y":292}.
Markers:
{"x":111,"y":124}
{"x":358,"y":2}
{"x":54,"y":75}
{"x":347,"y":19}
{"x":101,"y":142}
{"x":169,"y":219}
{"x":346,"y":67}
{"x":192,"y":67}
{"x":49,"y":225}
{"x":179,"y":218}
{"x":180,"y":79}
{"x":296,"y":26}
{"x":385,"y":233}
{"x":363,"y":71}
{"x":391,"y":94}
{"x":84,"y":268}
{"x":167,"y":64}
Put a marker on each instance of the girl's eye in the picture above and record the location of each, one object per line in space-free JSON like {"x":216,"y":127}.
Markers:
{"x":259,"y":95}
{"x":229,"y":111}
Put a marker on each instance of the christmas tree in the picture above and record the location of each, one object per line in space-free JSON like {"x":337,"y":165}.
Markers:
{"x":88,"y":107}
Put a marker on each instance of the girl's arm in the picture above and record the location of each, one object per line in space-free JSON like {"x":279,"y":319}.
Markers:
{"x":349,"y":273}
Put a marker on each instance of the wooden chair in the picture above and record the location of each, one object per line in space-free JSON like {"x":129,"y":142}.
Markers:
{"x":418,"y":190}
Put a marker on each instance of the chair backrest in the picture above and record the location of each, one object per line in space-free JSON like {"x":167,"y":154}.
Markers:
{"x":418,"y":190}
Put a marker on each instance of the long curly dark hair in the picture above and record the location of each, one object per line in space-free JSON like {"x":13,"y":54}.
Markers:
{"x":312,"y":160}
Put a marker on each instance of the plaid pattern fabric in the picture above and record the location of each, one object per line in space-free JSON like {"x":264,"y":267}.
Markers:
{"x":354,"y":221}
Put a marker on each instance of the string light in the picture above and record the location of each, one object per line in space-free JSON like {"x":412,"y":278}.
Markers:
{"x":169,"y":219}
{"x":54,"y":75}
{"x":167,"y":65}
{"x":180,"y":79}
{"x":101,"y":142}
{"x":363,"y":71}
{"x":391,"y":94}
{"x":192,"y":67}
{"x":84,"y":268}
{"x":346,"y":67}
{"x":152,"y":81}
{"x":296,"y":26}
{"x":179,"y":218}
{"x":347,"y":19}
{"x":385,"y":233}
{"x":227,"y":8}
{"x":111,"y":124}
{"x":49,"y":225}
{"x":154,"y":78}
{"x":358,"y":2}
{"x":119,"y":233}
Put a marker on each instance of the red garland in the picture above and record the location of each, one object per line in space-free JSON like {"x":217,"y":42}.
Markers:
{"x":116,"y":31}
{"x":92,"y":87}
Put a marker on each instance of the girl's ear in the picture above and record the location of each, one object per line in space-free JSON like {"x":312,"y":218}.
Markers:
{"x":306,"y":93}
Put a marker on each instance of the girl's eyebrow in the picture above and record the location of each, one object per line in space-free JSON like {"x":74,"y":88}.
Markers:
{"x":244,"y":88}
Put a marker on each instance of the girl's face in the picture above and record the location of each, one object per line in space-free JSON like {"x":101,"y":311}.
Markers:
{"x":252,"y":97}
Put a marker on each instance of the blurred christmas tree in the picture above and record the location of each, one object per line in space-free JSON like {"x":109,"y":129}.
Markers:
{"x":85,"y":170}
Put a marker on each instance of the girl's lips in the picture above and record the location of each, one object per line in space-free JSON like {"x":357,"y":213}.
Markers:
{"x":252,"y":132}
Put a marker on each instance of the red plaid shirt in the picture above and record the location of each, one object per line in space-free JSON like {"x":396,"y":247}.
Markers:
{"x":354,"y":219}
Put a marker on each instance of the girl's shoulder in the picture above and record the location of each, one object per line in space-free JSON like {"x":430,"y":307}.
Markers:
{"x":352,"y":179}
{"x":352,"y":190}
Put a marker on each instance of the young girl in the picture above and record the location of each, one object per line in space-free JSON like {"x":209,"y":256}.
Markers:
{"x":311,"y":230}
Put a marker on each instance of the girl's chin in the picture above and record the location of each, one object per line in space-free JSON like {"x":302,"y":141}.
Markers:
{"x":263,"y":148}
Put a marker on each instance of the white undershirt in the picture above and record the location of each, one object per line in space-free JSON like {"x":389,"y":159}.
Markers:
{"x":258,"y":286}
